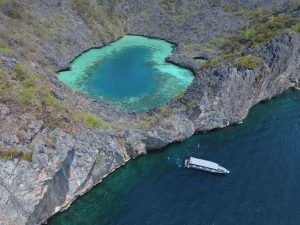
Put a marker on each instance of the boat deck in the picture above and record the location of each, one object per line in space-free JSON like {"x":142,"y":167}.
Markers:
{"x":204,"y":165}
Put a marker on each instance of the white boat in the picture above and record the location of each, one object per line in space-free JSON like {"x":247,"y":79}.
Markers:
{"x":204,"y":165}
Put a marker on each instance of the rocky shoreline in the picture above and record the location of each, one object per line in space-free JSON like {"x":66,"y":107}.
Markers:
{"x":66,"y":164}
{"x":77,"y":167}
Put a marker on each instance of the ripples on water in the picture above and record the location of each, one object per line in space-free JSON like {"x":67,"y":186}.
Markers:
{"x":263,"y":155}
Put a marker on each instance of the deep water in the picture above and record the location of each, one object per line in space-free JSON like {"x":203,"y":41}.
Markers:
{"x":263,"y":155}
{"x":131,"y":73}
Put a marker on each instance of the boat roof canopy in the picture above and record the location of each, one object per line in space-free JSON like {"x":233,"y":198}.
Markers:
{"x":205,"y":163}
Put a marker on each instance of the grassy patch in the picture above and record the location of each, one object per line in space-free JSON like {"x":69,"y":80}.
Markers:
{"x":28,"y":96}
{"x":167,"y":5}
{"x":21,"y":71}
{"x":191,"y":105}
{"x":50,"y":101}
{"x":14,"y":153}
{"x":34,"y":90}
{"x":264,"y":25}
{"x":99,"y":160}
{"x":166,"y":111}
{"x":296,"y":27}
{"x":11,"y":8}
{"x":248,"y":62}
{"x":54,"y":137}
{"x":216,"y":61}
{"x":5,"y":50}
{"x":90,"y":120}
{"x":10,"y":154}
{"x":27,"y":156}
{"x":3,"y":86}
{"x":248,"y":35}
{"x":95,"y":15}
{"x":93,"y":121}
{"x":26,"y":91}
{"x":146,"y":123}
{"x":180,"y":95}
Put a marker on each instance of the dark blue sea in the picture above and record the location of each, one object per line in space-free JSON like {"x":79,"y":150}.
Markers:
{"x":263,"y":188}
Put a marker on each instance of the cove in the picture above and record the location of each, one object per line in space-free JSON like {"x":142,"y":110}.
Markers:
{"x":131,"y":73}
{"x":262,"y":154}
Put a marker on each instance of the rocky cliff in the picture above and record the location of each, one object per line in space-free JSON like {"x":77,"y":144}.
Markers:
{"x":50,"y":153}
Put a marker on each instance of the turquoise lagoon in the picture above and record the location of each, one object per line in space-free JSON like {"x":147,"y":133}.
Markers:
{"x":131,"y":73}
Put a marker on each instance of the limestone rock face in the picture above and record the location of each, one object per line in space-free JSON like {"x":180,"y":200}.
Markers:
{"x":33,"y":191}
{"x":66,"y":164}
{"x":230,"y":92}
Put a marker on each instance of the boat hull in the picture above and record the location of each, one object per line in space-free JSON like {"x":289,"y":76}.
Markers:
{"x":220,"y":170}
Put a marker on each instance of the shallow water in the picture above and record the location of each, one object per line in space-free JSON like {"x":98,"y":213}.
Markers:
{"x":263,"y":155}
{"x":131,"y":73}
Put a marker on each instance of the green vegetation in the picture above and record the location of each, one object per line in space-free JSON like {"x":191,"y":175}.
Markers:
{"x":217,"y":60}
{"x":264,"y":25}
{"x":248,"y":35}
{"x":11,"y":8}
{"x":191,"y":105}
{"x":99,"y":159}
{"x":26,"y":91}
{"x":3,"y":81}
{"x":168,"y":5}
{"x":93,"y":121}
{"x":90,"y":120}
{"x":21,"y":71}
{"x":296,"y":27}
{"x":232,"y":7}
{"x":182,"y":17}
{"x":29,"y":96}
{"x":34,"y":91}
{"x":146,"y":123}
{"x":23,"y":26}
{"x":54,"y":137}
{"x":14,"y":153}
{"x":150,"y":121}
{"x":166,"y":111}
{"x":84,"y":9}
{"x":3,"y":86}
{"x":50,"y":101}
{"x":94,"y":15}
{"x":180,"y":95}
{"x":248,"y":62}
{"x":10,"y":154}
{"x":5,"y":50}
{"x":27,"y":156}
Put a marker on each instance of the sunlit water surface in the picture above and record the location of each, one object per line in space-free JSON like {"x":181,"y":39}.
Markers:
{"x":131,"y":73}
{"x":263,"y":155}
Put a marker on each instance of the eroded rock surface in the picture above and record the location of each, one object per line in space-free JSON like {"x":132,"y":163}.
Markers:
{"x":67,"y":163}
